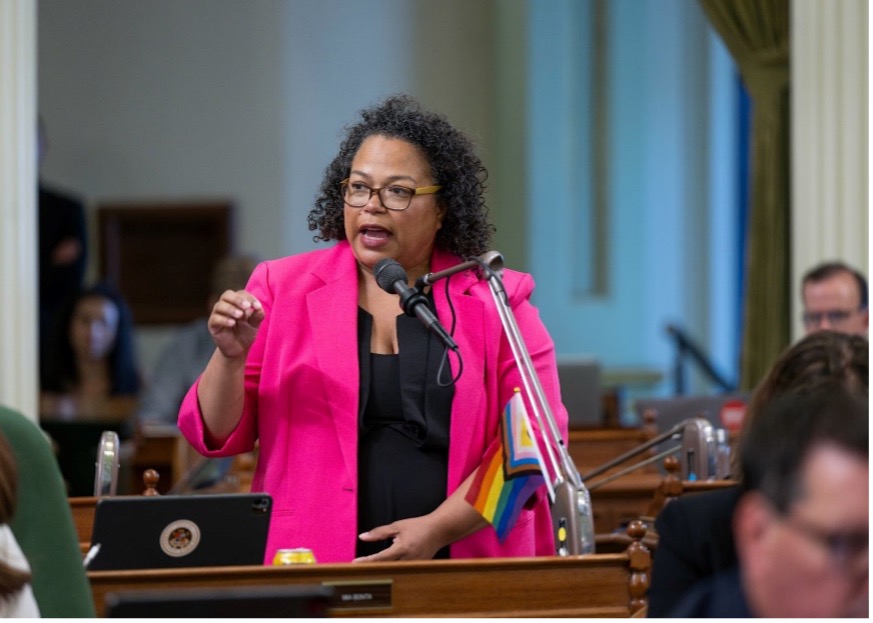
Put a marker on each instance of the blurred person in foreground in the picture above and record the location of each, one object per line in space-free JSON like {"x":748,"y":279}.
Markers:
{"x":835,"y":298}
{"x":801,"y":525}
{"x":695,"y":538}
{"x":16,"y":594}
{"x":369,"y":433}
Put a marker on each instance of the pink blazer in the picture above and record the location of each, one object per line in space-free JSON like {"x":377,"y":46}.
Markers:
{"x":302,"y":400}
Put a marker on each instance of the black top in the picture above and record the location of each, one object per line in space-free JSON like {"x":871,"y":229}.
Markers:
{"x":403,"y":429}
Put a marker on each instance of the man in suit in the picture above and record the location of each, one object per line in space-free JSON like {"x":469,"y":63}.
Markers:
{"x":835,"y":297}
{"x":801,"y":524}
{"x":63,"y":248}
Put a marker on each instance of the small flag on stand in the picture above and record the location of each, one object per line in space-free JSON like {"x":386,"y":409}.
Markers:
{"x":510,"y":473}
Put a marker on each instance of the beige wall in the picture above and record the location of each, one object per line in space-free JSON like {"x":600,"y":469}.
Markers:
{"x":830,"y":150}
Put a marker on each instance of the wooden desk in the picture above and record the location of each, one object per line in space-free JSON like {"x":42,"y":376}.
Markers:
{"x":596,"y":585}
{"x":83,"y":519}
{"x":615,"y":504}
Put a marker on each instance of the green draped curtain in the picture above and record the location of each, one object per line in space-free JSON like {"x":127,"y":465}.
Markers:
{"x":756,"y":32}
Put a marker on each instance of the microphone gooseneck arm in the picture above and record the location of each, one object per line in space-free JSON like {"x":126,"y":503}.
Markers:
{"x":491,"y":260}
{"x":431,"y":278}
{"x":693,"y":433}
{"x":635,"y":451}
{"x":634,"y":467}
{"x":685,"y":345}
{"x":570,"y":502}
{"x":572,"y":518}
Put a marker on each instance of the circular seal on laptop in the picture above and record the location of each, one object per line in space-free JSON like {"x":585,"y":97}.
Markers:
{"x":180,"y":538}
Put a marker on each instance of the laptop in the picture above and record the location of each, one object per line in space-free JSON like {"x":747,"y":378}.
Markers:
{"x":153,"y":532}
{"x":303,"y":601}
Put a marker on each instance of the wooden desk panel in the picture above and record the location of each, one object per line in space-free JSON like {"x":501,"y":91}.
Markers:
{"x":616,"y":503}
{"x":596,"y":585}
{"x":83,"y":519}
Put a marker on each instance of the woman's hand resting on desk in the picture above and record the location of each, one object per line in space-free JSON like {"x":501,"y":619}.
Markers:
{"x":420,"y":538}
{"x":414,"y":539}
{"x":234,"y":322}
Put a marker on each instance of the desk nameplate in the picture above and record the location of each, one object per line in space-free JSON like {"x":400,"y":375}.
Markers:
{"x":361,"y":595}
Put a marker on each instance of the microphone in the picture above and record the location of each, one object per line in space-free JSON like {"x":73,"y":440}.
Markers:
{"x":106,"y":472}
{"x":392,"y":278}
{"x":698,"y":445}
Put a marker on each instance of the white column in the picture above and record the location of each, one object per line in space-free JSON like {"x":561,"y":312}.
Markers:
{"x":18,"y":216}
{"x":829,"y":131}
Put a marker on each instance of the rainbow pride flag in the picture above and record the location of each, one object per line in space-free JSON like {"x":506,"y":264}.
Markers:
{"x":510,"y":473}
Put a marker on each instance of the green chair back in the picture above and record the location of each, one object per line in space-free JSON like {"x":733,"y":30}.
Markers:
{"x":43,"y":523}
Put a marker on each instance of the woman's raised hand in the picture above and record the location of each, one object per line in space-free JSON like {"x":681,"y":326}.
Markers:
{"x":234,"y":322}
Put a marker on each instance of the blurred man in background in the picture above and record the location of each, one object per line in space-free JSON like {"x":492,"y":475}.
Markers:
{"x":63,"y":248}
{"x":835,"y":297}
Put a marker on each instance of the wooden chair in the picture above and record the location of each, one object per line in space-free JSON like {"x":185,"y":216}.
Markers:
{"x":672,"y":487}
{"x":646,"y":501}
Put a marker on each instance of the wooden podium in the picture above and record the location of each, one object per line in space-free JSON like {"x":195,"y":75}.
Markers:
{"x":596,"y":585}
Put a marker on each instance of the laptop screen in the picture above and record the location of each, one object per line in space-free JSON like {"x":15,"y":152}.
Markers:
{"x":152,"y":532}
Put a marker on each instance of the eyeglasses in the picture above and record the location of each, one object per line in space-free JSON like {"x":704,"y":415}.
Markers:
{"x":357,"y":194}
{"x":835,"y":317}
{"x":843,"y":547}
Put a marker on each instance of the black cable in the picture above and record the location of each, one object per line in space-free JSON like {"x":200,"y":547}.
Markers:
{"x":445,"y":357}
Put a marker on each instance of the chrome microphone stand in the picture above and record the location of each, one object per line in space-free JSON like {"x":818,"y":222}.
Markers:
{"x":106,"y":472}
{"x":570,"y":501}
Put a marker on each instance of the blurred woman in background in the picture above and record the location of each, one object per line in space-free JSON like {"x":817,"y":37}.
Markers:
{"x":89,"y":381}
{"x":91,"y":353}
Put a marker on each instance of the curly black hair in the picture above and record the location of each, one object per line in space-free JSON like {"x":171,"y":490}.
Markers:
{"x":465,"y":230}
